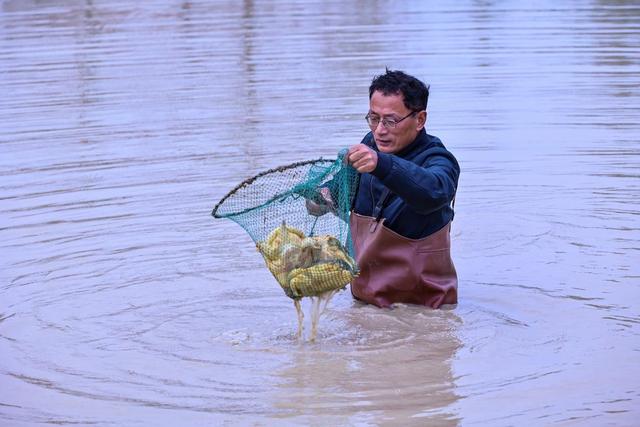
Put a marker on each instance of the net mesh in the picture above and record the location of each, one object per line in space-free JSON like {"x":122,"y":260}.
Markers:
{"x":298,"y":216}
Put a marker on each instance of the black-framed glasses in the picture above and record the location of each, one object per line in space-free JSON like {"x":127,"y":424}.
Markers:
{"x":374,"y":121}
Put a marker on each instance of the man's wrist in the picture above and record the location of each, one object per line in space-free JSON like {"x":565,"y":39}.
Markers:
{"x":385,"y":163}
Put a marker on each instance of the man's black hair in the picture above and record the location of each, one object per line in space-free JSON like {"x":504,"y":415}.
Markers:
{"x":415,"y":94}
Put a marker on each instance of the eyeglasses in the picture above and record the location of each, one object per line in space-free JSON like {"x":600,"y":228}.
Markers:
{"x":373,"y":121}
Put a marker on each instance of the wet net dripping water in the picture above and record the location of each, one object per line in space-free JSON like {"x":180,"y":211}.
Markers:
{"x":298,"y":217}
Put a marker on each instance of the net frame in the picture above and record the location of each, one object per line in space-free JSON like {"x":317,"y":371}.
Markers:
{"x":254,"y":178}
{"x":325,"y":274}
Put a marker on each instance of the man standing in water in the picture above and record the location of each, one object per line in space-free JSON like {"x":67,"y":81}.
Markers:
{"x":403,"y":208}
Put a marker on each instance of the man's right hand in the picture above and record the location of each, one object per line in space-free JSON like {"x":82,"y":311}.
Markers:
{"x":362,"y":158}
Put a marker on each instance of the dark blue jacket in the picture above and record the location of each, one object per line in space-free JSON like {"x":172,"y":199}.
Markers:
{"x":422,"y":179}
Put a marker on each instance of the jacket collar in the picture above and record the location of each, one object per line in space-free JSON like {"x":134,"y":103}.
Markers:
{"x":421,"y":140}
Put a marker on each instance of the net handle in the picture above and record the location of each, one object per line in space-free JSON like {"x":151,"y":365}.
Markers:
{"x":248,"y":181}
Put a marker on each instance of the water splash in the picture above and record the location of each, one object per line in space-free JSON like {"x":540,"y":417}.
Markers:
{"x":317,"y":308}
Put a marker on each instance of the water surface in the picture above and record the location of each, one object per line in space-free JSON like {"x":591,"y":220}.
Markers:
{"x":124,"y":303}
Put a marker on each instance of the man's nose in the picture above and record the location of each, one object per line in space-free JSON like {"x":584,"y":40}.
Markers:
{"x":380,"y":128}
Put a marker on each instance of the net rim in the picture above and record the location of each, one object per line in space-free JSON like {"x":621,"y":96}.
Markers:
{"x":249,"y":180}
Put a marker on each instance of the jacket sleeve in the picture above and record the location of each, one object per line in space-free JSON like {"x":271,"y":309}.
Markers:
{"x":426,"y":187}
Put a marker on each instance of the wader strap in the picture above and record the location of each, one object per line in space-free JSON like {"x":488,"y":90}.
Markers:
{"x":377,"y":211}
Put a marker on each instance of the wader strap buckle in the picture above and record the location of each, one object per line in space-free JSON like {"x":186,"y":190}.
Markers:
{"x":377,"y":211}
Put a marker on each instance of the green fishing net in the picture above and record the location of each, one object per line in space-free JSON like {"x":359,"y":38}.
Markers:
{"x":298,"y":216}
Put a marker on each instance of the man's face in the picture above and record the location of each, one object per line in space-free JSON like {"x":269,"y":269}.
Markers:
{"x":391,"y":140}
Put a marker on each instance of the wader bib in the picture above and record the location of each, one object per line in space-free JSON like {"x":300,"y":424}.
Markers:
{"x":397,"y":269}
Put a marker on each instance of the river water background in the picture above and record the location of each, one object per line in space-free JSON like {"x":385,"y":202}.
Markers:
{"x":123,"y":303}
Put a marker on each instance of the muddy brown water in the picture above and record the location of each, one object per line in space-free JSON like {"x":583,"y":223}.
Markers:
{"x":122,"y":302}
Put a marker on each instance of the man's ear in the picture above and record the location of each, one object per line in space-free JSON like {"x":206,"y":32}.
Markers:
{"x":422,"y":120}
